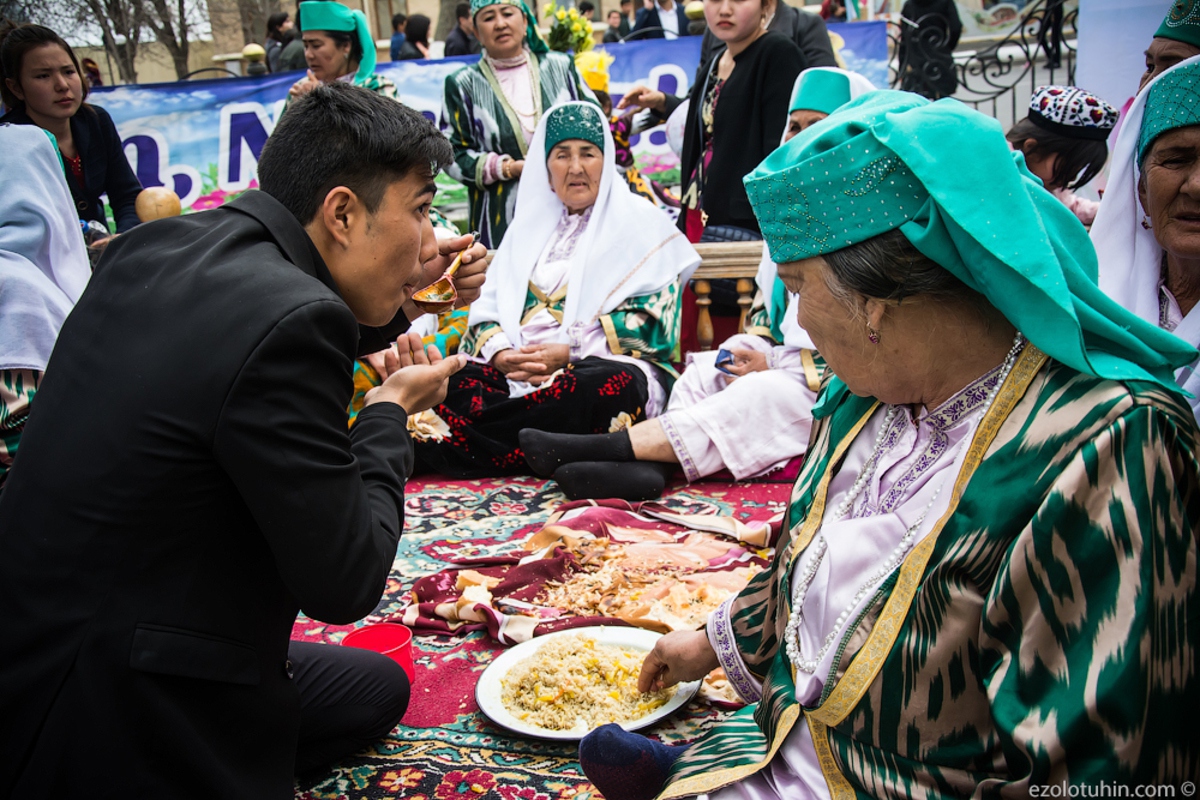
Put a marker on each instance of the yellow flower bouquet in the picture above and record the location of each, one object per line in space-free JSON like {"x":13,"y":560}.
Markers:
{"x":569,"y":31}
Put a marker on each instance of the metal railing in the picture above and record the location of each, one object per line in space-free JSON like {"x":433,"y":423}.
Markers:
{"x":997,"y":78}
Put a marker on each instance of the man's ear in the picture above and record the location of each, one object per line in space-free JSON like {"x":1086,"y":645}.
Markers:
{"x":340,"y":213}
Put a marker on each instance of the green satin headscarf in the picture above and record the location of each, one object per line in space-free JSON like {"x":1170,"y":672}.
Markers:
{"x":326,"y":15}
{"x":944,"y":175}
{"x":533,"y":37}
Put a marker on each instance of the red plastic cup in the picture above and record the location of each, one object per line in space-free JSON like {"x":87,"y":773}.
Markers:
{"x":389,"y":638}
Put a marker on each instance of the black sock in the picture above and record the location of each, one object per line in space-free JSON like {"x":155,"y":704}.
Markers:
{"x":626,"y":766}
{"x":625,"y":480}
{"x":547,"y":451}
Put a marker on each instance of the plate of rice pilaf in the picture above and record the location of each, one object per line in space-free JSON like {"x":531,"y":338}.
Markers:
{"x":565,"y":684}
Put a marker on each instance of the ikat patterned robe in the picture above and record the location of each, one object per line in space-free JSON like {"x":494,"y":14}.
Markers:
{"x":1044,"y":632}
{"x":478,"y":120}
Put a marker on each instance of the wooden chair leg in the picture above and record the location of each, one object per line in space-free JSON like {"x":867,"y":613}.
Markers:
{"x":704,"y":326}
{"x":745,"y":290}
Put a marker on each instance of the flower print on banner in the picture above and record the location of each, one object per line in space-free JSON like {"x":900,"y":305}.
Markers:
{"x":458,"y":785}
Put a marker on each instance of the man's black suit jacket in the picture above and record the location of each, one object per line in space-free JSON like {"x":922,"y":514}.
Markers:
{"x":186,"y":483}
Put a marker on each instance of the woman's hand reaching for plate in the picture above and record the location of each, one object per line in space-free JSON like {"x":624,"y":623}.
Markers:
{"x":678,"y":657}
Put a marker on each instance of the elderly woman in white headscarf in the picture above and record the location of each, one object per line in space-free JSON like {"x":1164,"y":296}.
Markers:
{"x":43,"y":271}
{"x":749,"y":412}
{"x":579,"y":318}
{"x":1147,"y":232}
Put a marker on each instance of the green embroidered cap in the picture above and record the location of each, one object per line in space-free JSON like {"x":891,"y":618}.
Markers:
{"x":944,"y":176}
{"x":820,"y":90}
{"x":1173,"y":102}
{"x":327,"y":15}
{"x":574,"y":121}
{"x":837,"y":198}
{"x":1182,"y":23}
{"x":533,"y":37}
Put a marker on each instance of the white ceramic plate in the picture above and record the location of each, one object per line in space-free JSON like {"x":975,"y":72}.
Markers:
{"x":488,"y":690}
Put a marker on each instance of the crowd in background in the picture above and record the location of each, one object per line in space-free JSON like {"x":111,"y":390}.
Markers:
{"x":983,"y":383}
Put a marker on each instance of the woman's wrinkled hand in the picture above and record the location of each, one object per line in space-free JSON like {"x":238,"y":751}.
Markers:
{"x":744,"y":362}
{"x":678,"y":657}
{"x":532,"y":363}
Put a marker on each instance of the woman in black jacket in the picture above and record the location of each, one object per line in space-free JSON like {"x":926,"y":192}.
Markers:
{"x":738,"y":98}
{"x":41,"y":84}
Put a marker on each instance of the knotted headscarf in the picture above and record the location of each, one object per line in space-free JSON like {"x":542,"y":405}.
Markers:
{"x":327,"y":15}
{"x":533,"y":37}
{"x":944,"y":176}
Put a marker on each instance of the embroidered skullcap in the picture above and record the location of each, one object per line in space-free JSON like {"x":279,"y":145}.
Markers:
{"x":1071,"y":111}
{"x":1182,"y":23}
{"x":578,"y":121}
{"x":892,"y":160}
{"x":326,"y":15}
{"x":821,"y":90}
{"x":1172,"y":102}
{"x":533,"y":37}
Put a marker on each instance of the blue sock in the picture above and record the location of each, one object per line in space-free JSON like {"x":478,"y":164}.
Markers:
{"x":626,"y":766}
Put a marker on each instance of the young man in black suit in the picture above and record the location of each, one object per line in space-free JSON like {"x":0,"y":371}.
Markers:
{"x":187,"y":483}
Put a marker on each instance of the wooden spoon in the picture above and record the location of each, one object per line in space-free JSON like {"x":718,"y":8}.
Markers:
{"x":441,"y":295}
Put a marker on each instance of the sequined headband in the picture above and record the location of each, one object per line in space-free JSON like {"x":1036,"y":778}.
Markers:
{"x":843,"y":196}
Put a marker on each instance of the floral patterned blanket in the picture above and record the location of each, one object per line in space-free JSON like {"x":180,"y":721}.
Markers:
{"x":444,"y":748}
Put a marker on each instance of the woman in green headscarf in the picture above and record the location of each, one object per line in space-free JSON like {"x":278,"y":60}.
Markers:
{"x":988,"y":576}
{"x":337,"y":47}
{"x":492,"y":108}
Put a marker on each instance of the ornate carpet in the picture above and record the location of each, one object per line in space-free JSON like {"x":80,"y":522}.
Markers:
{"x":444,"y":748}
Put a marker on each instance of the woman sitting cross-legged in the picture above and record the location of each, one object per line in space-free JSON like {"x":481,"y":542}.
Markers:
{"x":579,"y":317}
{"x":988,"y":576}
{"x":751,"y":416}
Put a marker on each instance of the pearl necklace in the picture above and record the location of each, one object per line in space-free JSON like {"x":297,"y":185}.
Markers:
{"x":791,"y":634}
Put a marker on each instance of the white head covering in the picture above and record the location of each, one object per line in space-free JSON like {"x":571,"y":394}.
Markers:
{"x":768,"y":270}
{"x":629,"y":247}
{"x":1130,"y":258}
{"x":43,"y":263}
{"x":1129,"y":255}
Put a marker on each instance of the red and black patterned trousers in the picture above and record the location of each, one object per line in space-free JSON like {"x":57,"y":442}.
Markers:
{"x":587,"y":397}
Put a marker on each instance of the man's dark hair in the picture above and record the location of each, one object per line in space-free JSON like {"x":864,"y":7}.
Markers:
{"x":586,"y":6}
{"x":462,"y":11}
{"x":626,"y":2}
{"x":398,"y":20}
{"x":343,"y":135}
